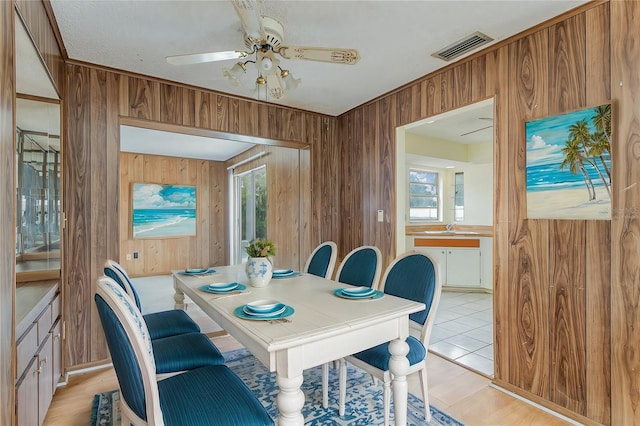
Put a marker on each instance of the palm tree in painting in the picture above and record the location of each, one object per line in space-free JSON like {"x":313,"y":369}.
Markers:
{"x":580,"y":133}
{"x":574,"y":158}
{"x":601,"y":138}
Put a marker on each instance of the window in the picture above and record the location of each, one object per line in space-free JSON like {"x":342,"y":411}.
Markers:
{"x":424,"y":197}
{"x":458,"y":207}
{"x":251,"y":193}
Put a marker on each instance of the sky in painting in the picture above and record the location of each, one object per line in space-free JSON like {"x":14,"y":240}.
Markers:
{"x":155,"y":196}
{"x":546,"y":137}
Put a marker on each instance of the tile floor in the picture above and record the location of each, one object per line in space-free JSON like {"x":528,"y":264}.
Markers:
{"x":463,"y":330}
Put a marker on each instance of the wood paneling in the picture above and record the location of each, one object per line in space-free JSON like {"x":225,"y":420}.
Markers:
{"x":625,"y":232}
{"x":159,"y":256}
{"x":497,"y":72}
{"x":95,"y":102}
{"x":550,"y":277}
{"x":567,"y":65}
{"x":7,"y":210}
{"x":36,"y":21}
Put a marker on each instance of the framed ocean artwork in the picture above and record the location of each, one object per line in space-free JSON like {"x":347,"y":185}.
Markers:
{"x":163,"y":211}
{"x":569,"y":165}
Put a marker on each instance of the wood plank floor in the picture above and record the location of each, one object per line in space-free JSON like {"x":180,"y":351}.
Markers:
{"x":453,"y":389}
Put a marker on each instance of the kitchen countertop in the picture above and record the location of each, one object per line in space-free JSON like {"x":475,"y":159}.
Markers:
{"x":31,"y":299}
{"x":457,"y":231}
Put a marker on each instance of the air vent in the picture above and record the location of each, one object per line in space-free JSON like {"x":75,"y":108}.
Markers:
{"x":463,"y":46}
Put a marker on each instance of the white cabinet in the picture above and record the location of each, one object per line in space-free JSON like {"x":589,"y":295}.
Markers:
{"x":39,"y":353}
{"x":457,"y":266}
{"x":463,"y":267}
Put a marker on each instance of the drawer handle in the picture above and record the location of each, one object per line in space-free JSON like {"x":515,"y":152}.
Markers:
{"x":37,"y":370}
{"x":43,"y":361}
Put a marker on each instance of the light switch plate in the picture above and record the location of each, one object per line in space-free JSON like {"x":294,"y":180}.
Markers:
{"x":380,"y":215}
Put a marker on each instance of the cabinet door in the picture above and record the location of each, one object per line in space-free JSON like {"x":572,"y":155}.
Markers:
{"x":45,"y":384}
{"x":57,"y":355}
{"x":463,"y":267}
{"x":26,"y":400}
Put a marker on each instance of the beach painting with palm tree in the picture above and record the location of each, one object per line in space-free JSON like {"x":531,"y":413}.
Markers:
{"x":569,"y":165}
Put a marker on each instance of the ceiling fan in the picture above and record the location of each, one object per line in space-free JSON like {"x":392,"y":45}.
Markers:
{"x":481,"y":128}
{"x":263,"y":36}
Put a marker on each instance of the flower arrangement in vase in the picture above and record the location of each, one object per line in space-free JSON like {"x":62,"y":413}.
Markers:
{"x":259,"y":267}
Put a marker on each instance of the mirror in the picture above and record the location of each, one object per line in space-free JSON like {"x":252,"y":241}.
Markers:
{"x":38,"y":166}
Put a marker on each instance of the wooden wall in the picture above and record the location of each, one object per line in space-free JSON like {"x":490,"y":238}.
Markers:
{"x":288,"y":192}
{"x":551,"y":277}
{"x":161,"y":255}
{"x":288,"y":200}
{"x":625,"y":294}
{"x":7,"y":210}
{"x":95,"y":100}
{"x":35,"y":17}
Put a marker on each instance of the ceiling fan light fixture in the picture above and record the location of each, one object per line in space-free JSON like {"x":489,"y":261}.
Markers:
{"x":234,"y":73}
{"x":289,"y":82}
{"x":261,"y":88}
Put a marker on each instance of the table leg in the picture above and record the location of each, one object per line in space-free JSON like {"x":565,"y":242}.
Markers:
{"x":398,"y":366}
{"x":178,"y":297}
{"x":290,"y":400}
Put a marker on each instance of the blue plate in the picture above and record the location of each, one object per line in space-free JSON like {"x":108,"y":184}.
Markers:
{"x":198,"y":272}
{"x":284,"y":273}
{"x":222,"y":290}
{"x":279,"y":309}
{"x":376,"y":295}
{"x":239,"y":312}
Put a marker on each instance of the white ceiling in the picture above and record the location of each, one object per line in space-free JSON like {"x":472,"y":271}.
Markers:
{"x":395,"y":39}
{"x":147,"y":141}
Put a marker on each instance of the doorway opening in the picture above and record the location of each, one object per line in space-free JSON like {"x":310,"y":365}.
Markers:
{"x":455,"y":150}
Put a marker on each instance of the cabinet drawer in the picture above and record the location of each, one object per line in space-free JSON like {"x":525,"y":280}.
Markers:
{"x":44,"y":323}
{"x":26,"y":349}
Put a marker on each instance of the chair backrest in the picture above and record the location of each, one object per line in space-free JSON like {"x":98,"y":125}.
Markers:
{"x":131,"y":351}
{"x":322,"y":260}
{"x":415,"y":276}
{"x":361,"y":266}
{"x":113,"y":270}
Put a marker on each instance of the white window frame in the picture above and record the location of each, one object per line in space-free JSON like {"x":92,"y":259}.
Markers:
{"x":438,"y":195}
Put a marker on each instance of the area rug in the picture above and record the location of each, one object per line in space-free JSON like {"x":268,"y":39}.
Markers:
{"x":363,"y":406}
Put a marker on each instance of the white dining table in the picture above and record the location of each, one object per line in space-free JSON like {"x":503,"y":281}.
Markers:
{"x":323,"y":328}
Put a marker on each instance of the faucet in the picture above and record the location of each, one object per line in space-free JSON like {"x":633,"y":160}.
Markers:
{"x":449,"y":227}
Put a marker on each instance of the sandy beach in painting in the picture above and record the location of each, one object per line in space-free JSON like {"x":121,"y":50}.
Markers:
{"x":568,"y":204}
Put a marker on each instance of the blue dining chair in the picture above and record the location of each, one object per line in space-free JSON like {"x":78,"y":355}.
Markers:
{"x":361,"y":267}
{"x":322,"y":260}
{"x":411,"y":276}
{"x":181,"y":352}
{"x":160,"y":324}
{"x":211,"y":395}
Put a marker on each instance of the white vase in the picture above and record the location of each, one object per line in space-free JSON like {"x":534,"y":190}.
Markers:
{"x":259,"y":270}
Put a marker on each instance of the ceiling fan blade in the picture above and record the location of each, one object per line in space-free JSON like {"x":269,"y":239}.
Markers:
{"x":320,"y":54}
{"x":477,"y":130}
{"x":198,"y":58}
{"x":250,"y":18}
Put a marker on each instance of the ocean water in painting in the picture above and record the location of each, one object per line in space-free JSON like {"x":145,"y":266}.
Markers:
{"x":163,"y":210}
{"x":163,"y":222}
{"x":545,"y":140}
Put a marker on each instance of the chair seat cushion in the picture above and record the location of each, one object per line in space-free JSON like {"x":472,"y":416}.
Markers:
{"x":379,"y":356}
{"x":184,"y":352}
{"x":210,"y":396}
{"x":169,"y":323}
